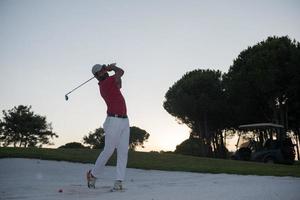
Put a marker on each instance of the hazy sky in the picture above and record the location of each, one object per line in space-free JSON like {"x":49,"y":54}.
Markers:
{"x":47,"y":47}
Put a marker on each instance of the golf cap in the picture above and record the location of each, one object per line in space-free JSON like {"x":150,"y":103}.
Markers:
{"x":96,"y":68}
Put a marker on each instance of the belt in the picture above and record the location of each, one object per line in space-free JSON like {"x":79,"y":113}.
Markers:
{"x":118,"y":116}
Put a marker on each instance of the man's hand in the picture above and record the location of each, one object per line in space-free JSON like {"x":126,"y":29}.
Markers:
{"x":118,"y":71}
{"x":110,"y":67}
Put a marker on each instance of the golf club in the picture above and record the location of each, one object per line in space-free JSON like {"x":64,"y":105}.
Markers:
{"x":66,"y":95}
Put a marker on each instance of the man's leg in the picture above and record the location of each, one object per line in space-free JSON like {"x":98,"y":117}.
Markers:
{"x":111,"y":140}
{"x":122,"y":151}
{"x":102,"y":160}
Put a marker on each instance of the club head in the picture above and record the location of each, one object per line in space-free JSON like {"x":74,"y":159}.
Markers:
{"x":66,"y":97}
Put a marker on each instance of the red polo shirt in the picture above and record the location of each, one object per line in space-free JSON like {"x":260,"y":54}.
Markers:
{"x":112,"y":96}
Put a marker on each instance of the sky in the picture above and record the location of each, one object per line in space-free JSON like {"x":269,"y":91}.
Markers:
{"x":48,"y":47}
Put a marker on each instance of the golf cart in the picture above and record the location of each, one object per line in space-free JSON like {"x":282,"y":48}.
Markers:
{"x":264,"y":142}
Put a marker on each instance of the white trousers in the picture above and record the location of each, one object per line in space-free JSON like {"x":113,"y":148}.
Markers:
{"x":116,"y":137}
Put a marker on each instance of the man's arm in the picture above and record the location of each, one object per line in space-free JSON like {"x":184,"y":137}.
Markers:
{"x":118,"y":73}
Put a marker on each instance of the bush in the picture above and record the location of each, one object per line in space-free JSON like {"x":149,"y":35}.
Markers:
{"x":73,"y":145}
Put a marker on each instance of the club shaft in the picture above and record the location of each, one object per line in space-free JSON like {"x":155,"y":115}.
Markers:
{"x":80,"y":85}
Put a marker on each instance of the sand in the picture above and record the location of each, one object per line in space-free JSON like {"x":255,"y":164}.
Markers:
{"x":34,"y":179}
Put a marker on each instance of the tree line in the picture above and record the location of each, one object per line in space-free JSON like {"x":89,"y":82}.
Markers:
{"x":262,"y":85}
{"x":21,"y":127}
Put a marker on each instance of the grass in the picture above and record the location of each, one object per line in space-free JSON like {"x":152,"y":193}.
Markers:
{"x":158,"y":161}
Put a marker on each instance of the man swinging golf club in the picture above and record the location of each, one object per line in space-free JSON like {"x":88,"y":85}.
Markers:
{"x":116,"y":125}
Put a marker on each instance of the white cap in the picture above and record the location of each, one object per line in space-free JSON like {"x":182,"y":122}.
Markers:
{"x":96,"y":68}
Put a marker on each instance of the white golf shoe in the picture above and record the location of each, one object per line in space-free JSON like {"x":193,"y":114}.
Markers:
{"x":118,"y":185}
{"x":91,"y":180}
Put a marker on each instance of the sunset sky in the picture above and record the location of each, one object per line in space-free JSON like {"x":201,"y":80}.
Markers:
{"x":48,"y":47}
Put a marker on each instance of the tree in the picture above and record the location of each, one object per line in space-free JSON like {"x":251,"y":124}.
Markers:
{"x":20,"y":126}
{"x":198,"y":100}
{"x":72,"y":145}
{"x":96,"y":139}
{"x":263,"y":83}
{"x":137,"y":137}
{"x":193,"y":147}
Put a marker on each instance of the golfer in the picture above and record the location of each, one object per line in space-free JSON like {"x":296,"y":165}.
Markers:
{"x":116,"y":125}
